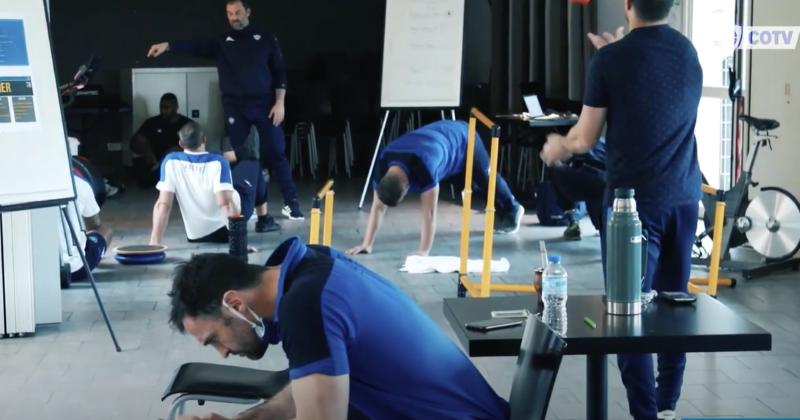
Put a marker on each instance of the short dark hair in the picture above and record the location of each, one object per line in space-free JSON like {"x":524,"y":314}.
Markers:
{"x":390,"y":190}
{"x":169,"y":96}
{"x":245,"y":3}
{"x":191,"y":135}
{"x":198,"y":285}
{"x":652,"y":10}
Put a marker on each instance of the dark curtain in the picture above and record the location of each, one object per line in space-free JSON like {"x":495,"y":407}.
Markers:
{"x":539,"y":46}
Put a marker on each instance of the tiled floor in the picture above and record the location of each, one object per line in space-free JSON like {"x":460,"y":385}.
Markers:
{"x":70,"y":370}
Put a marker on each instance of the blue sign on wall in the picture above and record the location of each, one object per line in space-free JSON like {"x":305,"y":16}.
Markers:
{"x":13,"y":51}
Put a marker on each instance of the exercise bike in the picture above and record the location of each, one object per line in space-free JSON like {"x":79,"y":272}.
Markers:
{"x":769,"y":223}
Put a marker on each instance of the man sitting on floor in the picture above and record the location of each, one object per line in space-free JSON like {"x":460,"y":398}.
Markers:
{"x":203,"y":183}
{"x":248,"y":180}
{"x":351,"y":337}
{"x":582,"y":178}
{"x":94,"y":240}
{"x":156,"y":137}
{"x":417,"y":162}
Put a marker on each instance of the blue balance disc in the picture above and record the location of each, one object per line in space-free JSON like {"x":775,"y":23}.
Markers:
{"x":138,"y":259}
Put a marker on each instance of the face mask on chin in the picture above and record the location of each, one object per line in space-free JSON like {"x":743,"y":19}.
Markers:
{"x":266,"y":332}
{"x":258,"y":326}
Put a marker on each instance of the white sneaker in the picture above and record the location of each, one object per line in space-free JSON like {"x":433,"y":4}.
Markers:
{"x":292,"y":214}
{"x":666,"y":415}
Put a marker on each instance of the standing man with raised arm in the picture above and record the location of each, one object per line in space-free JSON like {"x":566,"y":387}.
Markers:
{"x":252,"y":78}
{"x":647,"y":87}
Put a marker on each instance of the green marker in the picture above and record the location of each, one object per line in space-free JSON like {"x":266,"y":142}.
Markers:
{"x":588,"y":321}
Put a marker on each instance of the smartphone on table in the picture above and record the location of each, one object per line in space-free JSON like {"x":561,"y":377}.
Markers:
{"x":493,"y":324}
{"x":677,"y":298}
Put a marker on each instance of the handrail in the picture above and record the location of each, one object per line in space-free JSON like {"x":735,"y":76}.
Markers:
{"x":482,"y":118}
{"x":325,"y":188}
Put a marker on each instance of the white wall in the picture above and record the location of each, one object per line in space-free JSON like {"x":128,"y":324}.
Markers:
{"x":773,"y":70}
{"x":46,"y":262}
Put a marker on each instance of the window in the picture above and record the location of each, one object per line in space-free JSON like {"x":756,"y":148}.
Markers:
{"x":711,"y":26}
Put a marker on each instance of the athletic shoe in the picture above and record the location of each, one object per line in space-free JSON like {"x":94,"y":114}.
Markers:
{"x":266,"y":223}
{"x":292,"y":212}
{"x":666,"y":415}
{"x":508,"y":223}
{"x":573,"y":232}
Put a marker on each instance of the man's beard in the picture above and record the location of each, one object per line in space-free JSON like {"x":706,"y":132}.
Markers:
{"x":253,"y":350}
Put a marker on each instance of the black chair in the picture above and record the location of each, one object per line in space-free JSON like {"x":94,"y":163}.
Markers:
{"x":203,"y":382}
{"x":537,"y":366}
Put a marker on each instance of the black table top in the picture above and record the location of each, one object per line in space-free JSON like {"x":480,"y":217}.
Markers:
{"x":558,"y":122}
{"x":538,"y":122}
{"x":705,"y":326}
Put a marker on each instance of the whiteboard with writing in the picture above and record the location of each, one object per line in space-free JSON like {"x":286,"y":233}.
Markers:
{"x":34,"y":161}
{"x":422,"y":53}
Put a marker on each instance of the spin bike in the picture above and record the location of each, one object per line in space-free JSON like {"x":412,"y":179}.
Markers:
{"x":770,"y":222}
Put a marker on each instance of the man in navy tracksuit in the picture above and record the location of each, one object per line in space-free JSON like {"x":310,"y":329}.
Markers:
{"x":351,"y":337}
{"x":252,"y":78}
{"x":583,"y":178}
{"x":647,"y":87}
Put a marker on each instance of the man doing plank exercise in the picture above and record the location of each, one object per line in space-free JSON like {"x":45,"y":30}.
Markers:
{"x":417,"y":162}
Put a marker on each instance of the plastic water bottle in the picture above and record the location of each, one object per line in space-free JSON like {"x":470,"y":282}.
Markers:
{"x":554,"y":295}
{"x":554,"y":284}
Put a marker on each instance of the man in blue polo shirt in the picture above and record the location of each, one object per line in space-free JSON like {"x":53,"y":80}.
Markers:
{"x":646,"y":87}
{"x":252,"y":78}
{"x":351,"y":336}
{"x":416,"y":162}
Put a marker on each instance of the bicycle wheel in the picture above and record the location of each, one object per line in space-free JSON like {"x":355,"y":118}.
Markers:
{"x":774,"y":217}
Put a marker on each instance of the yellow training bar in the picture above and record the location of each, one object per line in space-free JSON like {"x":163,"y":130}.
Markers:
{"x":325,"y":193}
{"x":485,"y":287}
{"x":713,"y":279}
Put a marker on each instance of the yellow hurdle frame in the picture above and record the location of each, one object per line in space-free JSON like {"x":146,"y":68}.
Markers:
{"x":485,"y":287}
{"x":713,"y":280}
{"x":326,"y":194}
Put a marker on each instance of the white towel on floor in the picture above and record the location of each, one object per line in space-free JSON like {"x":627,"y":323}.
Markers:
{"x":422,"y":265}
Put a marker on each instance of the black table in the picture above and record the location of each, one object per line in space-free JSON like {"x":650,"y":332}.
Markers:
{"x":539,"y":122}
{"x":557,"y":122}
{"x":706,"y":326}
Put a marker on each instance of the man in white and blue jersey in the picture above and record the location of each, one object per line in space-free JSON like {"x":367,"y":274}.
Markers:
{"x":203,"y":184}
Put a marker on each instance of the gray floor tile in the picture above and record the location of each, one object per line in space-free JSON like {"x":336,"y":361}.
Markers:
{"x":750,"y":390}
{"x":783,"y":406}
{"x":732,"y":407}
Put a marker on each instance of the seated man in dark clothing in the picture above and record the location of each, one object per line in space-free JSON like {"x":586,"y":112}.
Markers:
{"x":248,"y":180}
{"x":417,"y":162}
{"x":155,"y":138}
{"x":582,"y":178}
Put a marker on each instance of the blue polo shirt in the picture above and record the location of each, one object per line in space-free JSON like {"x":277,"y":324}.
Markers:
{"x":428,"y":155}
{"x":249,"y":61}
{"x":336,"y":317}
{"x":650,"y":81}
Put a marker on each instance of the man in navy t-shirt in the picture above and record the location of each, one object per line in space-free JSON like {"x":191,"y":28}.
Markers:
{"x":417,"y":162}
{"x":351,"y":336}
{"x":646,"y":87}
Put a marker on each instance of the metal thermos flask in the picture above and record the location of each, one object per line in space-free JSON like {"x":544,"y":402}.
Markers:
{"x":626,"y":253}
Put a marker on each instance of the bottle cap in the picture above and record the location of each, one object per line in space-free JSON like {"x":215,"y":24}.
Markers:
{"x":623,"y":193}
{"x":555,"y":259}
